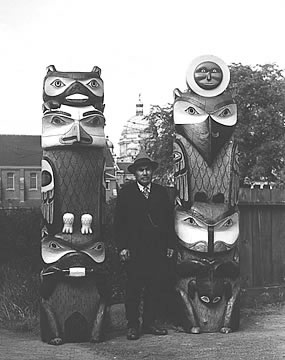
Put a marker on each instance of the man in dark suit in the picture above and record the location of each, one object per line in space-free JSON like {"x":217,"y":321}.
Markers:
{"x":145,"y":236}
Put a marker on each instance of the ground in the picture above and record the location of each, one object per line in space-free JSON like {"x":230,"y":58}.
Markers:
{"x":261,"y":336}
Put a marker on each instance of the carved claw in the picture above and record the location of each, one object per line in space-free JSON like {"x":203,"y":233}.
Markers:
{"x":195,"y":330}
{"x":86,"y":221}
{"x":68,"y":220}
{"x":56,"y":341}
{"x":225,"y":330}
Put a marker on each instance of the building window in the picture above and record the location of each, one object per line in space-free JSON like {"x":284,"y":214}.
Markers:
{"x":33,"y":181}
{"x":10,"y":181}
{"x":107,"y":184}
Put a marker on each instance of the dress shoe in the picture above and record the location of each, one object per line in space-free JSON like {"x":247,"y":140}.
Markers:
{"x":154,"y":330}
{"x":133,"y":334}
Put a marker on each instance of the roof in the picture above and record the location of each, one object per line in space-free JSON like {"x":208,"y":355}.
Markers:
{"x":20,"y":150}
{"x":26,"y":150}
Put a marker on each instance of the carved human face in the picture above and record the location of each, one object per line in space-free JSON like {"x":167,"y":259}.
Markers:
{"x":143,"y":174}
{"x":208,"y":75}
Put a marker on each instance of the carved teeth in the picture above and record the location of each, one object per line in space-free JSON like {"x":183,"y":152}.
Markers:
{"x":77,"y":97}
{"x":86,"y":221}
{"x":68,"y":220}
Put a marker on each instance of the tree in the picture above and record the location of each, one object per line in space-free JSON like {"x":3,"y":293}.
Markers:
{"x":159,"y":143}
{"x":260,"y":96}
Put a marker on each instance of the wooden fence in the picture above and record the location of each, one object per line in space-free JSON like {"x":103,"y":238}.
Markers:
{"x":262,"y":237}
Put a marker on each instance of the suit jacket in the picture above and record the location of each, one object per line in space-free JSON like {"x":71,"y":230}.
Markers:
{"x":144,"y":226}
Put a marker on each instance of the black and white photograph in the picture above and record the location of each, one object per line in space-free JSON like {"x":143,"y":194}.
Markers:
{"x":142,"y":180}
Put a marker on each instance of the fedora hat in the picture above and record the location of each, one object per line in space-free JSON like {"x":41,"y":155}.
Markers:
{"x":141,"y":160}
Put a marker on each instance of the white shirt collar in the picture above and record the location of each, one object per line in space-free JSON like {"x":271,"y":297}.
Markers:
{"x":141,"y":187}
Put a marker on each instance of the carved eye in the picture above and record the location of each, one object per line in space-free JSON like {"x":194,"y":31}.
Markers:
{"x":205,"y":299}
{"x":93,"y":84}
{"x":98,"y":247}
{"x":94,"y":121}
{"x":228,"y":223}
{"x":216,"y":299}
{"x":214,"y":70}
{"x":203,"y":70}
{"x":57,"y":83}
{"x":56,"y":120}
{"x":46,"y":178}
{"x":191,"y":110}
{"x":190,"y":220}
{"x":226,"y":112}
{"x":54,"y":245}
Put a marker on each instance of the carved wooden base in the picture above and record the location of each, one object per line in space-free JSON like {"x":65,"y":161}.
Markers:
{"x":75,"y":312}
{"x":217,"y":313}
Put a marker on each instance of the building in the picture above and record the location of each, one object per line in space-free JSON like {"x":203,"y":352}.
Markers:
{"x":132,"y":135}
{"x":123,"y":176}
{"x":110,"y":172}
{"x":20,"y":171}
{"x":130,"y":144}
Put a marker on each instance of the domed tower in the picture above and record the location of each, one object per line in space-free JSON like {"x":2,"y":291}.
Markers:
{"x":132,"y":135}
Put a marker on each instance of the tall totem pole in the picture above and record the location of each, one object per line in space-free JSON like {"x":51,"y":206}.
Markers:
{"x":206,"y":214}
{"x":73,"y":279}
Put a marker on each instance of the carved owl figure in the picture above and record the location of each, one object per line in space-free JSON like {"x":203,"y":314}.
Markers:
{"x":208,"y":123}
{"x":206,"y":159}
{"x":206,"y":115}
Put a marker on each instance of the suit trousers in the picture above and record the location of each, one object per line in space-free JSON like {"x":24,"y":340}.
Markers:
{"x":145,"y":286}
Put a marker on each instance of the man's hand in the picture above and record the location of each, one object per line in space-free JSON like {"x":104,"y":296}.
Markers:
{"x":125,"y":255}
{"x":169,"y":253}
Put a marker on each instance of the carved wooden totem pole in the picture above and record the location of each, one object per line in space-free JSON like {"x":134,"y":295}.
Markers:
{"x":73,"y":280}
{"x":206,"y":214}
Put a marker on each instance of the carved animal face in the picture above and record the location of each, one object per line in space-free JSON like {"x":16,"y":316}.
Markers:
{"x":73,"y":89}
{"x":210,"y":291}
{"x":207,"y":226}
{"x":55,"y":249}
{"x":73,"y":126}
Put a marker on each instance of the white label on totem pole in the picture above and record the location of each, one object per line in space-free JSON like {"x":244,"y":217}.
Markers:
{"x":77,"y":272}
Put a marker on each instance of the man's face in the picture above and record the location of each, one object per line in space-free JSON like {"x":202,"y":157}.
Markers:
{"x":143,"y":174}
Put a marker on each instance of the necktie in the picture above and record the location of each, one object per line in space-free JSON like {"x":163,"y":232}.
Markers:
{"x":146,"y":192}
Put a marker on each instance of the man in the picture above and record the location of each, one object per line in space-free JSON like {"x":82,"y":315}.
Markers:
{"x":145,"y":236}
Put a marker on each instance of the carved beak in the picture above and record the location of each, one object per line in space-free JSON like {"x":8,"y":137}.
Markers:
{"x":76,"y":135}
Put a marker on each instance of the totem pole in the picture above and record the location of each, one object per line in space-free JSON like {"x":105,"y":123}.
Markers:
{"x":206,"y":213}
{"x":73,"y":280}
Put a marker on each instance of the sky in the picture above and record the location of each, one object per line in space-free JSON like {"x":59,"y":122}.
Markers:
{"x":142,"y":47}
